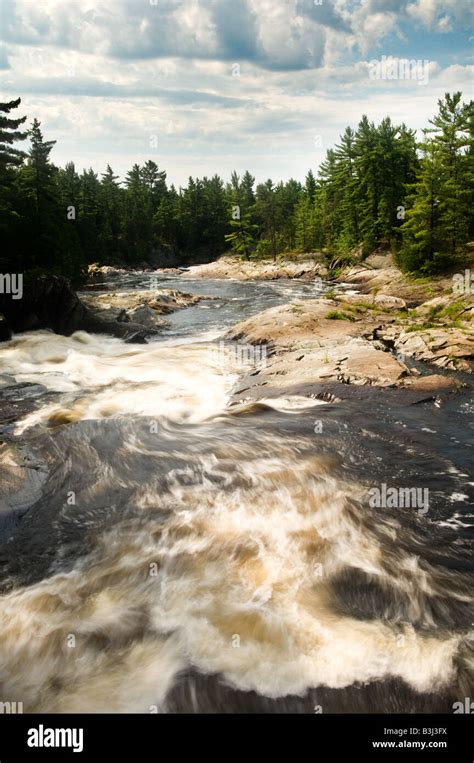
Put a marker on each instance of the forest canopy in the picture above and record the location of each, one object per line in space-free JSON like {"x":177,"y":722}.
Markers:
{"x":378,"y":187}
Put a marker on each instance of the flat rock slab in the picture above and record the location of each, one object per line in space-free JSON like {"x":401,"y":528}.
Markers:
{"x":390,"y":281}
{"x":260,"y":270}
{"x":354,"y":362}
{"x":285,"y":325}
{"x":160,"y":301}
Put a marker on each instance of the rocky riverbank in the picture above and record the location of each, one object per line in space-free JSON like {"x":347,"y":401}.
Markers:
{"x":51,"y":303}
{"x":392,"y":334}
{"x":145,"y":308}
{"x":230,"y":266}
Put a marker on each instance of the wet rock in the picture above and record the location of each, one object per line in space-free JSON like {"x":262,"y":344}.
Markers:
{"x":160,"y":301}
{"x":22,"y":476}
{"x":22,"y":391}
{"x":145,"y":316}
{"x":137,"y":337}
{"x":6,"y":381}
{"x":433,"y":383}
{"x":51,"y":303}
{"x":5,"y":330}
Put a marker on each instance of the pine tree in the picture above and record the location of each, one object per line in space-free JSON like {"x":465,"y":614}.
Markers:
{"x":268,"y":213}
{"x":111,"y":202}
{"x":242,"y":237}
{"x":305,"y":224}
{"x":45,"y":235}
{"x":346,"y":188}
{"x":9,"y":134}
{"x":311,"y":186}
{"x":10,"y":159}
{"x":438,"y":219}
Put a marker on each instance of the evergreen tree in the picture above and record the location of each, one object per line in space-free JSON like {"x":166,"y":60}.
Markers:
{"x":112,"y":207}
{"x":268,"y":215}
{"x":44,"y":239}
{"x":311,"y":186}
{"x":305,"y":224}
{"x":437,"y":227}
{"x":10,"y":159}
{"x":9,"y":134}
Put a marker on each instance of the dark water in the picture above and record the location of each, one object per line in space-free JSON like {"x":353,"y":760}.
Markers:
{"x":230,"y":301}
{"x":184,"y":554}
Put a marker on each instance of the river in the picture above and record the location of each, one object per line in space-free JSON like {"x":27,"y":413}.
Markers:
{"x":186,"y":554}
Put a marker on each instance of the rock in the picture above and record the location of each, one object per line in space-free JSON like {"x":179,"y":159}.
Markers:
{"x":391,"y":281}
{"x":345,"y":341}
{"x":230,"y":266}
{"x":427,"y":306}
{"x":105,"y":270}
{"x":303,"y":322}
{"x":354,"y":363}
{"x":386,"y":301}
{"x":383,"y":301}
{"x":22,"y":477}
{"x":138,"y":337}
{"x":51,"y":303}
{"x":433,"y":383}
{"x":145,"y":316}
{"x":160,"y":301}
{"x":380,"y":259}
{"x":5,"y":330}
{"x":449,"y":347}
{"x":22,"y":391}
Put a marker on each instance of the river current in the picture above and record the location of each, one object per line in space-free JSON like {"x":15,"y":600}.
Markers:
{"x":184,"y":552}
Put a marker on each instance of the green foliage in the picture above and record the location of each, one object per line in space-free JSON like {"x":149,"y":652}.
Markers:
{"x":439,"y":219}
{"x":375,"y":188}
{"x":339,"y":315}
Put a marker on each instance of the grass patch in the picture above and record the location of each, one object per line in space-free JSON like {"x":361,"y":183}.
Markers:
{"x":338,"y":315}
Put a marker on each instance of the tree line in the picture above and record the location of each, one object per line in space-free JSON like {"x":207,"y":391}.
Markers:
{"x":378,"y":187}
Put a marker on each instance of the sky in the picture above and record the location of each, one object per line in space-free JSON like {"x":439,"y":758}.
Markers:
{"x":211,"y":86}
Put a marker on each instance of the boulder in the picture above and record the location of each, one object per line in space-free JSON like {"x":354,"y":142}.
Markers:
{"x":51,"y":303}
{"x":5,"y":330}
{"x":388,"y":302}
{"x":145,"y":316}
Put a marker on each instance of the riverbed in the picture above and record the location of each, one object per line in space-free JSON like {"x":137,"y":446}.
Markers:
{"x":187,"y":552}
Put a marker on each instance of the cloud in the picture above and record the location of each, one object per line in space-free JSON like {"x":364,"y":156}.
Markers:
{"x":105,"y":75}
{"x":4,"y":63}
{"x":275,"y":34}
{"x":441,"y":15}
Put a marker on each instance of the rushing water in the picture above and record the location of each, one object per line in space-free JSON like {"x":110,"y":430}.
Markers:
{"x":185,"y":554}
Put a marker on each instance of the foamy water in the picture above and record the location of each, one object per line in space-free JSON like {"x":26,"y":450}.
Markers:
{"x":228,"y":541}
